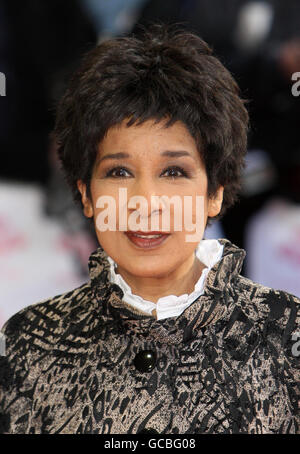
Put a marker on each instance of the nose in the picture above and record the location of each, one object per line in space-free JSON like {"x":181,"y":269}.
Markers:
{"x":144,"y":199}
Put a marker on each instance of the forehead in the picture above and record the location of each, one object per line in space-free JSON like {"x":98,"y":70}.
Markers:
{"x":147,"y":136}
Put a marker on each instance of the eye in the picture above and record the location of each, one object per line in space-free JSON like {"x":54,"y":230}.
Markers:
{"x":177,"y":169}
{"x":116,"y":172}
{"x":110,"y":172}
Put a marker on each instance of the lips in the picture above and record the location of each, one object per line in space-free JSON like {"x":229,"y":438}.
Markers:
{"x":147,"y":240}
{"x":140,"y":233}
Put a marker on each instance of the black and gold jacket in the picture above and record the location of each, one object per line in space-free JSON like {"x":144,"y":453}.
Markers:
{"x":86,"y":362}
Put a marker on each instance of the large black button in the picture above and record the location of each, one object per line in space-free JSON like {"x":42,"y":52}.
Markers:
{"x":145,"y":361}
{"x":148,"y":431}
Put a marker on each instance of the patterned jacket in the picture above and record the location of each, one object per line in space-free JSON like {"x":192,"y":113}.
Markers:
{"x":85,"y":362}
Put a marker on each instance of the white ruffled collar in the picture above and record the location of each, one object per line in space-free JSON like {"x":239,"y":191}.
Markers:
{"x":209,"y":252}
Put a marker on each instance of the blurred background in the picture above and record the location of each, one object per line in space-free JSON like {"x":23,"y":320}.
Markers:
{"x":41,"y":43}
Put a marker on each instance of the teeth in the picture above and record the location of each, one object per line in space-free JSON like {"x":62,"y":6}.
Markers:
{"x":147,"y":236}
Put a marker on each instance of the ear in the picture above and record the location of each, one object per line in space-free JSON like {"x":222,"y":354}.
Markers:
{"x":86,"y":202}
{"x":215,"y":203}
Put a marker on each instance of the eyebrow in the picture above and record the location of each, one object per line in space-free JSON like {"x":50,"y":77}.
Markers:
{"x":167,"y":153}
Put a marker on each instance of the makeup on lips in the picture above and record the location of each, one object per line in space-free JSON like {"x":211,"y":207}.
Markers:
{"x":147,"y":240}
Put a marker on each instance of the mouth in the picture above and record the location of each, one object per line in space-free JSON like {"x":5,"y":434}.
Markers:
{"x":147,"y":240}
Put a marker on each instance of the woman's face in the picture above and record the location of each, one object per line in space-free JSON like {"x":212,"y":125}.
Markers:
{"x":146,"y":172}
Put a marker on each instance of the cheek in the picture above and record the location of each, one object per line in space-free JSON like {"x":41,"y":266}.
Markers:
{"x":199,"y":207}
{"x":101,"y":197}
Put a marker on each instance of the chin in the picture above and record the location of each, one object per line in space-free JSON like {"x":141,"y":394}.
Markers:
{"x":154,"y":271}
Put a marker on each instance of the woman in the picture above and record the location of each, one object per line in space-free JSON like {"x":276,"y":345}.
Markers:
{"x":167,"y":336}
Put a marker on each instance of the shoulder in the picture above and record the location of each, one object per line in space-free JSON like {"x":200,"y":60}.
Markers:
{"x":265,"y":301}
{"x":44,"y":320}
{"x":276,"y":312}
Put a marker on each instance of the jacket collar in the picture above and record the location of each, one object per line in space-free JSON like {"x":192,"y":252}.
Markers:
{"x":212,"y":306}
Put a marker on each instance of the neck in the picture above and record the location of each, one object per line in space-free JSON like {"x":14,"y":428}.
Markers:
{"x":178,"y":283}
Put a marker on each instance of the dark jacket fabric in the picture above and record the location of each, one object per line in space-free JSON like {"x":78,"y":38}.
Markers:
{"x":227,"y":364}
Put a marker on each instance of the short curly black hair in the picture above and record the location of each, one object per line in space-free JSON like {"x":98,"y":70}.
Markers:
{"x":162,"y":72}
